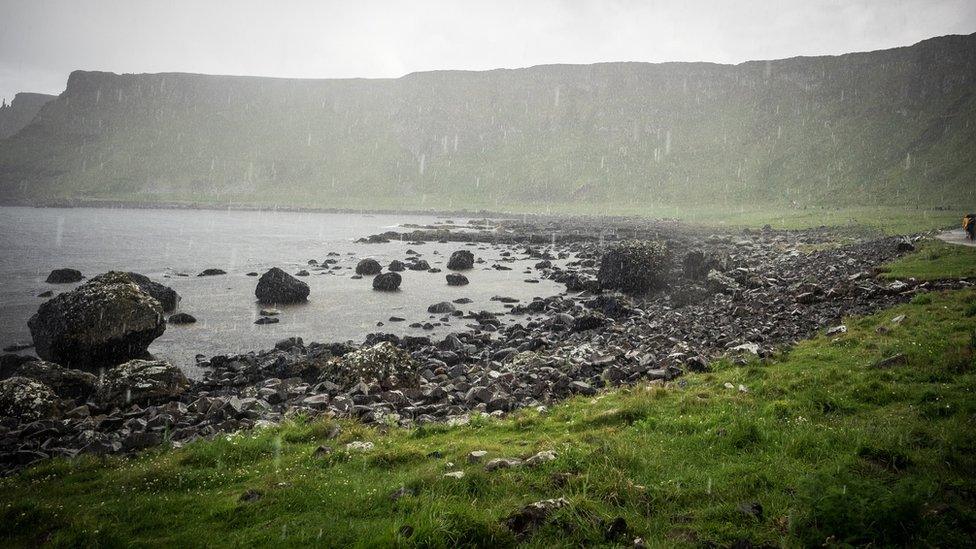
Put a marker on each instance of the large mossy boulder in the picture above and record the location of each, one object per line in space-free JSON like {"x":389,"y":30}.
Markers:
{"x":278,"y":287}
{"x":65,"y":382}
{"x":635,"y":267}
{"x":142,"y":382}
{"x":382,"y":363}
{"x":27,"y":400}
{"x":103,"y":322}
{"x":166,"y":296}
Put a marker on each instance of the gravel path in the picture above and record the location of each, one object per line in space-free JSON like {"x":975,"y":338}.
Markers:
{"x":956,"y":236}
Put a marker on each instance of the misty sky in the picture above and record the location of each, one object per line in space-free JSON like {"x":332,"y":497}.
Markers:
{"x":41,"y":41}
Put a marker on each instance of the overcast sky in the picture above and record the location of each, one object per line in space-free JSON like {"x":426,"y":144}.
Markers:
{"x":41,"y":41}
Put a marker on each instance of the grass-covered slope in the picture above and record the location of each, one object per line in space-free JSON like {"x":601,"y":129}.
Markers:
{"x":893,"y":127}
{"x":824,"y":443}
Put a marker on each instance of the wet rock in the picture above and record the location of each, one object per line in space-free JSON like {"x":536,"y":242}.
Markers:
{"x":396,"y":266}
{"x":166,"y":296}
{"x":142,"y":382}
{"x":67,"y":383}
{"x":267,"y":320}
{"x":276,"y":286}
{"x":419,"y":265}
{"x":456,"y":279}
{"x":719,"y":282}
{"x":376,"y":364}
{"x":635,"y":267}
{"x":444,"y":307}
{"x":212,"y":272}
{"x":461,"y":260}
{"x":47,"y":293}
{"x":181,"y":318}
{"x":27,"y":400}
{"x":63,"y":276}
{"x":104,"y":321}
{"x":368,"y":267}
{"x":387,"y":282}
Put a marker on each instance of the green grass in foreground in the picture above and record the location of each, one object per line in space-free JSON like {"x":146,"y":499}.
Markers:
{"x":833,"y":449}
{"x":935,"y":260}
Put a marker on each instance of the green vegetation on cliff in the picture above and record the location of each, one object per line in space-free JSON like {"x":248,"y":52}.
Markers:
{"x":893,"y":128}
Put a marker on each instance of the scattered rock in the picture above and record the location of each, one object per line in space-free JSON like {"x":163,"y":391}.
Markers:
{"x":368,"y":267}
{"x":461,"y":260}
{"x":212,"y":272}
{"x":142,"y":382}
{"x":277,"y":286}
{"x":456,"y":279}
{"x":64,"y":276}
{"x":387,"y":282}
{"x":181,"y":318}
{"x":27,"y":400}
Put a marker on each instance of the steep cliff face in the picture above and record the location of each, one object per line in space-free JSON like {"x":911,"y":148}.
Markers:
{"x":893,"y":127}
{"x":20,"y":112}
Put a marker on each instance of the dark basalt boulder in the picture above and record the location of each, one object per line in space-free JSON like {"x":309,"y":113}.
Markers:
{"x":461,"y":260}
{"x":277,"y":286}
{"x":101,"y":322}
{"x":387,"y":282}
{"x":696,"y":264}
{"x":368,"y":267}
{"x":419,"y":265}
{"x":28,"y":400}
{"x":635,"y":267}
{"x":212,"y":272}
{"x":181,"y":318}
{"x":64,"y":276}
{"x":166,"y":296}
{"x":441,"y":308}
{"x":396,"y":266}
{"x":65,"y":382}
{"x":456,"y":279}
{"x":142,"y":382}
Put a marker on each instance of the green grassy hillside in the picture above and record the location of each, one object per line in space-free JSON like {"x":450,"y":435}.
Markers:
{"x":892,"y":128}
{"x":19,"y":113}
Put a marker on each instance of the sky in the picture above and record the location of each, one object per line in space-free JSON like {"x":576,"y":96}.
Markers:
{"x":41,"y":41}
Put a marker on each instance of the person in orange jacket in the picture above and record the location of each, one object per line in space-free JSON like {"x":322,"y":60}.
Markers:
{"x":969,"y":225}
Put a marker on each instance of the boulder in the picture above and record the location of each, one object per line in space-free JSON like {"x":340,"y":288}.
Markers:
{"x":181,"y":318}
{"x":387,"y":282}
{"x":461,"y":260}
{"x":375,"y":364}
{"x":456,"y":279}
{"x":635,"y":267}
{"x":27,"y":400}
{"x":396,"y":266}
{"x":444,"y":307}
{"x":63,"y":276}
{"x":419,"y":265}
{"x":368,"y":267}
{"x":697,"y":263}
{"x":65,"y":382}
{"x":142,"y":382}
{"x":277,"y":286}
{"x":166,"y":296}
{"x":212,"y":272}
{"x":101,"y":322}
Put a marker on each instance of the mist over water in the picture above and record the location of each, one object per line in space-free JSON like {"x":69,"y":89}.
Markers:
{"x":163,"y":244}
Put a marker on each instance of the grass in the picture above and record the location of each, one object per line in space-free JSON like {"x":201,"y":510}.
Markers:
{"x":831,"y":449}
{"x":935,"y":260}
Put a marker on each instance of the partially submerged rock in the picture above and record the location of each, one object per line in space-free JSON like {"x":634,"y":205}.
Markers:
{"x":368,"y":267}
{"x":102,"y":322}
{"x":64,"y":276}
{"x":276,"y":286}
{"x":166,"y":296}
{"x":461,"y":260}
{"x":387,"y":282}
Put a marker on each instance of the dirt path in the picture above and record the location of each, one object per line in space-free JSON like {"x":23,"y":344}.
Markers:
{"x":956,"y":236}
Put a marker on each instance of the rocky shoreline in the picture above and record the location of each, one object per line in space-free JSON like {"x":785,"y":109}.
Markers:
{"x":644,"y":301}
